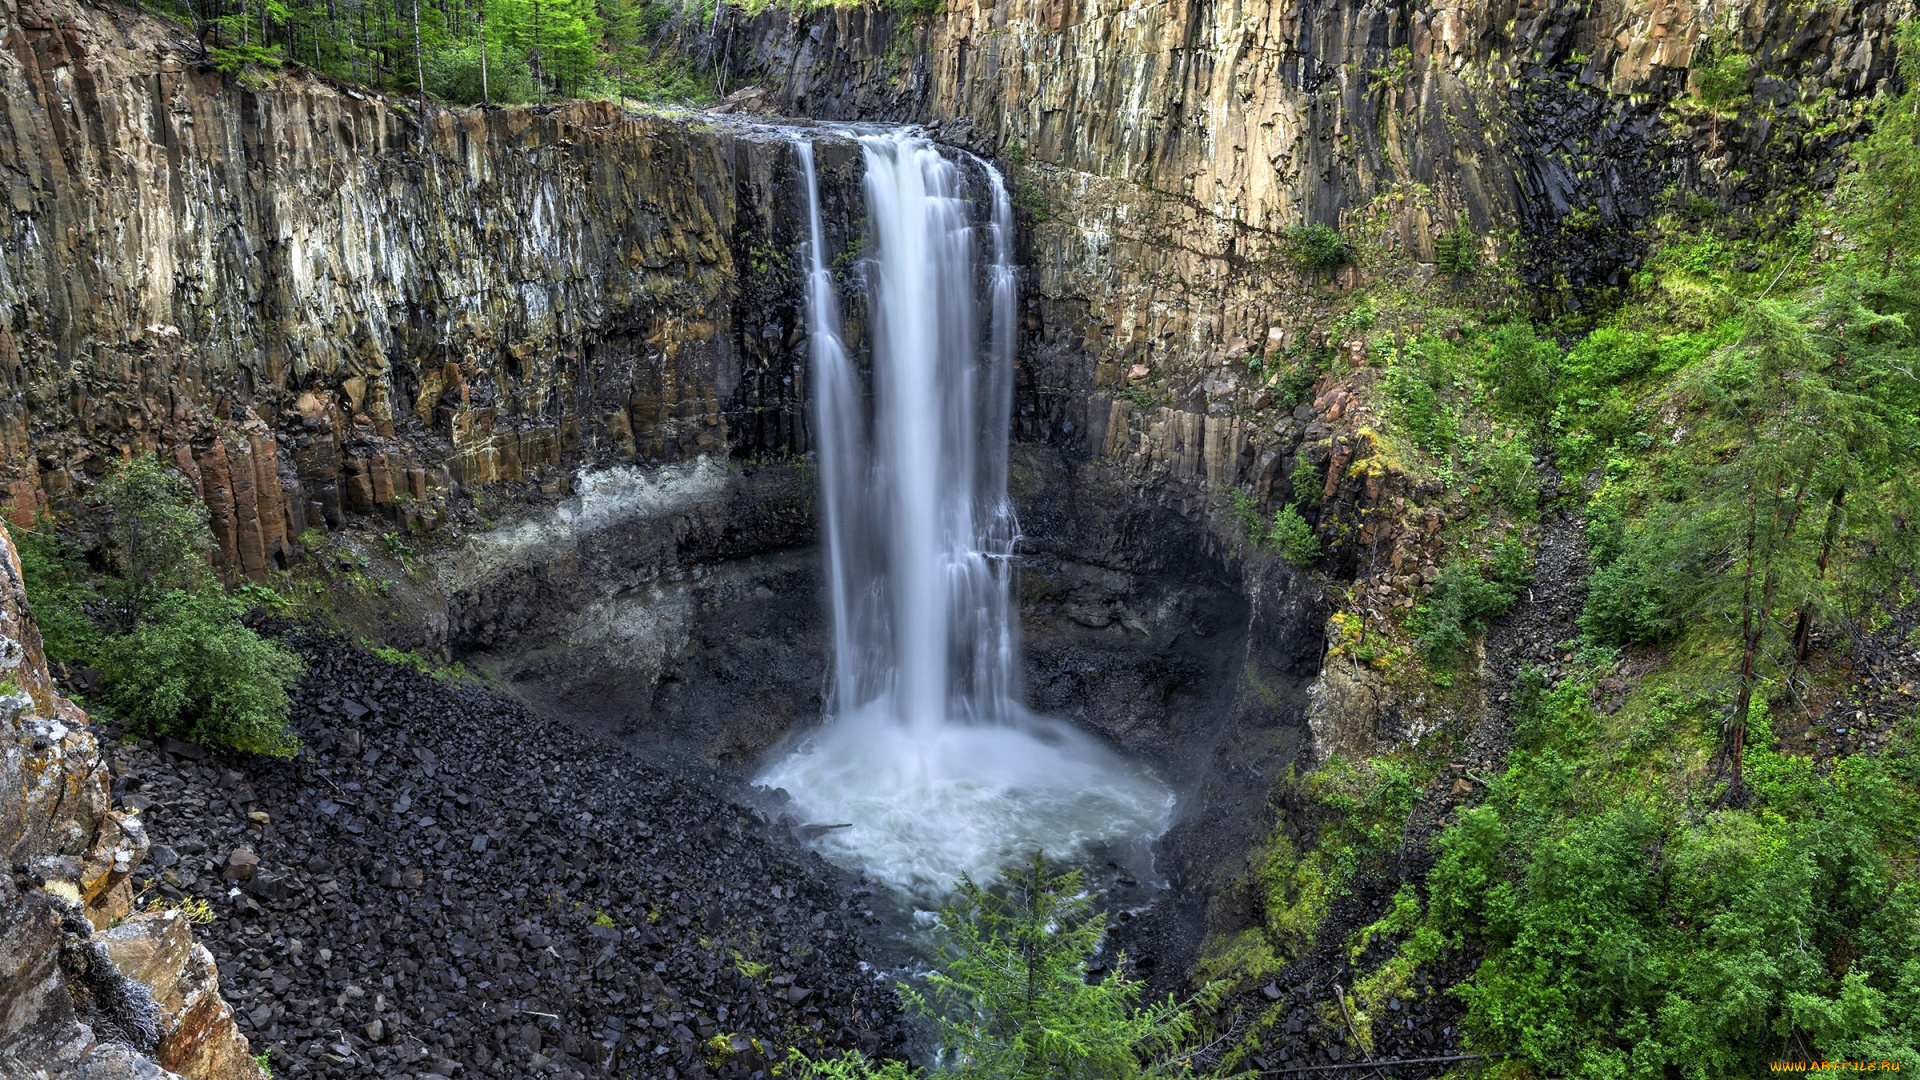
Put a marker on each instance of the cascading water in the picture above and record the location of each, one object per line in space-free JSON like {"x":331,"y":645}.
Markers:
{"x":928,"y":750}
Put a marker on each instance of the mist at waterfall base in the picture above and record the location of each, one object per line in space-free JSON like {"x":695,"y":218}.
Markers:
{"x":928,"y":752}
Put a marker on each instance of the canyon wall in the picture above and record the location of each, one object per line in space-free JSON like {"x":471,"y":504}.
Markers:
{"x":319,"y":305}
{"x":329,"y":310}
{"x":1161,"y":149}
{"x":1171,"y":141}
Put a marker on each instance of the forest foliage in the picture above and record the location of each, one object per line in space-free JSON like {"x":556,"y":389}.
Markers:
{"x":1013,"y":995}
{"x":1657,"y":882}
{"x":510,"y":52}
{"x":469,"y":51}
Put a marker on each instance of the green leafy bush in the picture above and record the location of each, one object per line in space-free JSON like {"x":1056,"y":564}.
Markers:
{"x":1507,"y":471}
{"x":1648,"y":578}
{"x":1317,"y":247}
{"x":156,"y":530}
{"x":1298,"y":369}
{"x":61,"y":594}
{"x":1292,"y":536}
{"x":1517,"y":368}
{"x":191,"y":668}
{"x":1722,"y":82}
{"x":1602,"y":359}
{"x":1465,"y":596}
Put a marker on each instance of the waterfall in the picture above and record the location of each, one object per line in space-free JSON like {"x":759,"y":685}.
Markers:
{"x":928,"y":750}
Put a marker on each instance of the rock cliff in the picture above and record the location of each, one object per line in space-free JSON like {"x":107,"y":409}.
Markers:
{"x":328,"y":309}
{"x":1163,"y":148}
{"x":319,"y":304}
{"x":89,"y":987}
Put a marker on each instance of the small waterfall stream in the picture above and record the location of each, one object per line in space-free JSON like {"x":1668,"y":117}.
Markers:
{"x":928,"y":750}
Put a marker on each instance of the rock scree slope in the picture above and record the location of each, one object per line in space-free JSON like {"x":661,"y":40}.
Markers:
{"x":446,"y":879}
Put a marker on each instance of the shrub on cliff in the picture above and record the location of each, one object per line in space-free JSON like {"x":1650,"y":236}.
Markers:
{"x":164,"y":635}
{"x":1465,"y":596}
{"x":1292,"y":535}
{"x":191,"y":668}
{"x":1317,"y":247}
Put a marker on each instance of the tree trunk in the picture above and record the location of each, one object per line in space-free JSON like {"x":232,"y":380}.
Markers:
{"x":420,"y":74}
{"x":1751,"y":632}
{"x":1803,"y":628}
{"x":484,"y":99}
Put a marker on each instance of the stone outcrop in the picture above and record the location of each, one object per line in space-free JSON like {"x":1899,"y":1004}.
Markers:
{"x":88,"y":987}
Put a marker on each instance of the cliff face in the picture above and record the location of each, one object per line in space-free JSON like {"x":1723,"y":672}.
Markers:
{"x":1163,"y":146}
{"x":317,"y":306}
{"x":326,"y":312}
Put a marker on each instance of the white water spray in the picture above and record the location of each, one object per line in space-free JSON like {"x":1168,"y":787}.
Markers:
{"x":928,"y":750}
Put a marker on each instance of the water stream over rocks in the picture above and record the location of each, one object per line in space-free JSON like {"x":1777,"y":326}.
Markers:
{"x":929,"y":756}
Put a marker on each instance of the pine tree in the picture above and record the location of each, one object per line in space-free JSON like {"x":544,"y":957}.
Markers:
{"x":1013,"y":1000}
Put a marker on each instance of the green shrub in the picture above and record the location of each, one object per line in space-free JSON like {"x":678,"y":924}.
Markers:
{"x":1507,"y":470}
{"x":1465,"y":596}
{"x":1602,"y":359}
{"x":1649,"y":576}
{"x":1317,"y":247}
{"x":192,"y":669}
{"x":1245,"y":512}
{"x":1298,"y":371}
{"x":1417,"y":381}
{"x":232,"y":56}
{"x":157,"y":535}
{"x":1721,"y":83}
{"x":60,"y":594}
{"x":1518,"y":368}
{"x":1292,"y":536}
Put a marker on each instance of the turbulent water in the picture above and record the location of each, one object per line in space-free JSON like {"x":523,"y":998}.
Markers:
{"x":928,"y":751}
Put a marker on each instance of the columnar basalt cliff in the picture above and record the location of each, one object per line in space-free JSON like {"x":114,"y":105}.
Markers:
{"x":1162,"y":151}
{"x":1163,"y":148}
{"x":318,"y":305}
{"x":326,"y":311}
{"x":90,"y":986}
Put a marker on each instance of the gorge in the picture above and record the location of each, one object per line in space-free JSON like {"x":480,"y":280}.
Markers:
{"x":1250,"y":430}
